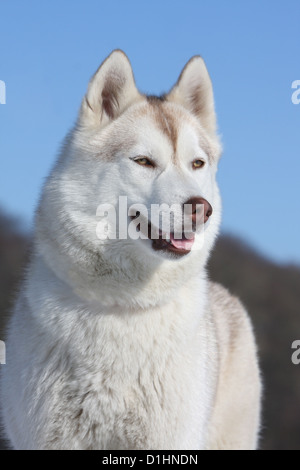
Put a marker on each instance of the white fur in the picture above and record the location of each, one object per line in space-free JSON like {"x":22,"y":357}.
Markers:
{"x":113,"y":345}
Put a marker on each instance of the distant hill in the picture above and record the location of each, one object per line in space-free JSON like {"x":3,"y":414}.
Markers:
{"x":271,"y":294}
{"x":13,"y":249}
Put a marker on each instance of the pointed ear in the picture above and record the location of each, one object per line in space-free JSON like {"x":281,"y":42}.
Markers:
{"x":111,"y":91}
{"x":194,"y":91}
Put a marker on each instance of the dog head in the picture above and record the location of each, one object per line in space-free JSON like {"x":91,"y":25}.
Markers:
{"x":133,"y":202}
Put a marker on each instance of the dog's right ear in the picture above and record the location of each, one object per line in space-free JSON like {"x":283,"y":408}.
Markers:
{"x":111,"y":91}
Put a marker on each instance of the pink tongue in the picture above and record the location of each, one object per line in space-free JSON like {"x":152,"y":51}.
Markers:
{"x":183,"y":244}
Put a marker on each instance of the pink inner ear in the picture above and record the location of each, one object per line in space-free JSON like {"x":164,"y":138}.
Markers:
{"x":109,"y":103}
{"x":197,"y":99}
{"x":110,"y":95}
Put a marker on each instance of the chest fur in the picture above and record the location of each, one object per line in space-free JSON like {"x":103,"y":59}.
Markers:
{"x":144,"y":382}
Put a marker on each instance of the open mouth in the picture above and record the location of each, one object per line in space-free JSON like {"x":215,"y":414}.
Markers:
{"x":178,"y":244}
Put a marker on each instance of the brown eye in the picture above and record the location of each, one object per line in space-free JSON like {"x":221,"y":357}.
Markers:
{"x":144,"y":161}
{"x":198,"y":164}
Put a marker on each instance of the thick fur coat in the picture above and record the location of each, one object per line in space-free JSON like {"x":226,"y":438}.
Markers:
{"x":115,"y":345}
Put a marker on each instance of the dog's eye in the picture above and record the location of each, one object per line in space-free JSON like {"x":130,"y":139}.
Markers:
{"x":144,"y":161}
{"x":198,"y":164}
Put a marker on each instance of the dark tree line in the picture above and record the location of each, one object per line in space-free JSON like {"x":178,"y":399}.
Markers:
{"x":271,"y":294}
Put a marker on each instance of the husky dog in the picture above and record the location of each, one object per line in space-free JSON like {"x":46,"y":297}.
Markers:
{"x":123,"y":343}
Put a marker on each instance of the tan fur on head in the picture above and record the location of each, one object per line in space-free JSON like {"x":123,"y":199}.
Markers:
{"x":112,"y":90}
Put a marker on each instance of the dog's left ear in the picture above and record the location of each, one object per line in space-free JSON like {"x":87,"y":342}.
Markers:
{"x":111,"y":91}
{"x":194,"y":91}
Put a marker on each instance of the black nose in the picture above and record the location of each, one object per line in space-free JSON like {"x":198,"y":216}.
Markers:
{"x":200,"y":204}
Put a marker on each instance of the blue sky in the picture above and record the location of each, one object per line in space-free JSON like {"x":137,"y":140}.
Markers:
{"x":49,"y":50}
